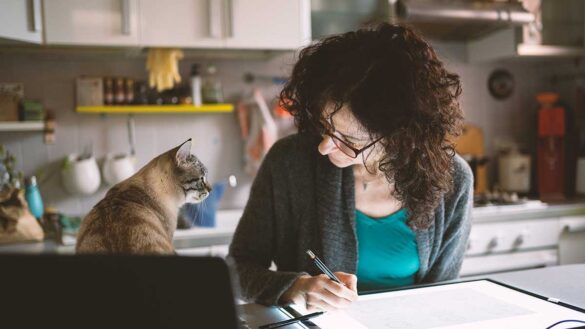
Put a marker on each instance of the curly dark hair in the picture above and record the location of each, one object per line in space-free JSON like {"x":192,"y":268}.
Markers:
{"x":398,"y":89}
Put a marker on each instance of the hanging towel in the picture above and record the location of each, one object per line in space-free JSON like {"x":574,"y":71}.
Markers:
{"x":258,"y":129}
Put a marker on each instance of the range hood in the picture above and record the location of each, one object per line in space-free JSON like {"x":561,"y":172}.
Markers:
{"x":446,"y":20}
{"x":458,"y":20}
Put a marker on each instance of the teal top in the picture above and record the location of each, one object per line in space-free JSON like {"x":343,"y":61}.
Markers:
{"x":387,"y":251}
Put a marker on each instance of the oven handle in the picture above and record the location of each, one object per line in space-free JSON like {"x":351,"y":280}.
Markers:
{"x":573,"y":224}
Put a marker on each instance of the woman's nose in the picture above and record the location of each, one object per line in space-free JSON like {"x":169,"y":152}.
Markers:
{"x":326,"y":146}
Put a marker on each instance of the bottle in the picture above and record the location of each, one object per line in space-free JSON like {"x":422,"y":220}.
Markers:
{"x":196,"y":85}
{"x":119,"y":91}
{"x":108,"y":91}
{"x":33,"y":198}
{"x":129,"y":91}
{"x":212,"y":90}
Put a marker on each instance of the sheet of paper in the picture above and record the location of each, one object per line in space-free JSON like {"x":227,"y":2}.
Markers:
{"x":477,"y":304}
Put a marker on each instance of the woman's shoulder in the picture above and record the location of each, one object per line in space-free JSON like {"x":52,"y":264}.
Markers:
{"x":462,"y":174}
{"x":294,"y":148}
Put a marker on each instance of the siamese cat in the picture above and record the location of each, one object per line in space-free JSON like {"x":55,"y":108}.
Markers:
{"x":139,"y":214}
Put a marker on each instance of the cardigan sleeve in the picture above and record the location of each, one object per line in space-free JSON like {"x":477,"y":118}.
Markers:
{"x":254,"y":241}
{"x":457,"y":226}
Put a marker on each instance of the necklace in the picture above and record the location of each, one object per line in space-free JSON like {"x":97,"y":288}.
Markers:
{"x":365,"y":185}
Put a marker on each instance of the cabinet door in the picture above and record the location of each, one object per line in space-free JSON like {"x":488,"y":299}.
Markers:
{"x":21,"y":20}
{"x":91,"y":22}
{"x":181,"y":23}
{"x":267,"y":24}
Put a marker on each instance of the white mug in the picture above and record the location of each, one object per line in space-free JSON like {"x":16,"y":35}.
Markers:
{"x":80,"y":176}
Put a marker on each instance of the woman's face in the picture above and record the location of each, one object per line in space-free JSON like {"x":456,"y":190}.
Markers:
{"x":353,"y":133}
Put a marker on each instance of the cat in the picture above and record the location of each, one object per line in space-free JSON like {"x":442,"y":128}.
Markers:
{"x":139,"y":214}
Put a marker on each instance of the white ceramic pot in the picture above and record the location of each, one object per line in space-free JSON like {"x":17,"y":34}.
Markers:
{"x":80,"y":176}
{"x":117,"y":168}
{"x":514,"y":172}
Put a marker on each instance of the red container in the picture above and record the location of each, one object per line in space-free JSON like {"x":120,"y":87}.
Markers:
{"x":551,"y":155}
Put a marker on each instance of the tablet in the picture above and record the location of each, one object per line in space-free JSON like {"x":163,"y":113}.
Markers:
{"x":472,"y":304}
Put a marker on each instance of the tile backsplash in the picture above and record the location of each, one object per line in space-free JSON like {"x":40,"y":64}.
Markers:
{"x":217,"y":142}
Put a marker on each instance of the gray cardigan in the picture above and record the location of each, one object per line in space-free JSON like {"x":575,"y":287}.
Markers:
{"x":300,"y":201}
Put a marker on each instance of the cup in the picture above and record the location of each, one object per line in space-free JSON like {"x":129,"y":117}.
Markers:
{"x":117,"y":168}
{"x":80,"y":175}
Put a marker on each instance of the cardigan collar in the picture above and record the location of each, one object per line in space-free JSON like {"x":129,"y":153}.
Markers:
{"x":335,"y":211}
{"x":335,"y":205}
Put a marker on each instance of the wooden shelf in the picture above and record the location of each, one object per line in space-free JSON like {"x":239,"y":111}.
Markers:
{"x":22,"y":126}
{"x":159,"y":109}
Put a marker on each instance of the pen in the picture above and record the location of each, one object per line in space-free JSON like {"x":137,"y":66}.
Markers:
{"x":289,"y":321}
{"x":322,"y":266}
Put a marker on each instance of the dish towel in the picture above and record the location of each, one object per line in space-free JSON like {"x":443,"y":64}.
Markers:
{"x":258,"y":128}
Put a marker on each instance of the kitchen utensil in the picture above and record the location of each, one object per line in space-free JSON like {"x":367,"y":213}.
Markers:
{"x":80,"y":175}
{"x":514,"y":172}
{"x":117,"y":168}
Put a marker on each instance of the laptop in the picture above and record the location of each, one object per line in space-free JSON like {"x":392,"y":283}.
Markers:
{"x":83,"y":291}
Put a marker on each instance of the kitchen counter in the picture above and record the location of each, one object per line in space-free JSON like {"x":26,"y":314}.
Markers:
{"x":227,"y":221}
{"x":530,"y":210}
{"x":196,"y":237}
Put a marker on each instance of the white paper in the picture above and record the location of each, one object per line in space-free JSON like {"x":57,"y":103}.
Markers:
{"x":477,"y":304}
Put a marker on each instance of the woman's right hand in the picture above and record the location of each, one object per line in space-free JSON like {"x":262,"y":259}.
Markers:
{"x":319,"y":293}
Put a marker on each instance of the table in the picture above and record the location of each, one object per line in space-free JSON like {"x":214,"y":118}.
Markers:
{"x":567,"y":283}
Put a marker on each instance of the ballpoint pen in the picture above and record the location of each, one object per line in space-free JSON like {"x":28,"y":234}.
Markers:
{"x":290,"y":321}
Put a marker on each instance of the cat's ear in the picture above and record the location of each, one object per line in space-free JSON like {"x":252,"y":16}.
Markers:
{"x":183,"y":152}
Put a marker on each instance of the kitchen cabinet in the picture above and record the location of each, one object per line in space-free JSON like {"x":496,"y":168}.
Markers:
{"x":268,"y":24}
{"x":21,"y":20}
{"x":91,"y":22}
{"x":181,"y":23}
{"x":217,"y":24}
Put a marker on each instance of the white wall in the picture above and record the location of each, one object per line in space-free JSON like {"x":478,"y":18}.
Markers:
{"x":50,"y":78}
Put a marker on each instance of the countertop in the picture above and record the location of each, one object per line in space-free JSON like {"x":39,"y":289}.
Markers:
{"x":227,"y":221}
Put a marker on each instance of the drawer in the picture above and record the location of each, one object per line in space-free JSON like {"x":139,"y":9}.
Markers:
{"x":477,"y":265}
{"x":496,"y":237}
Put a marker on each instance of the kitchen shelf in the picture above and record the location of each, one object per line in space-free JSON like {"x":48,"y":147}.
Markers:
{"x":160,"y":109}
{"x":22,"y":126}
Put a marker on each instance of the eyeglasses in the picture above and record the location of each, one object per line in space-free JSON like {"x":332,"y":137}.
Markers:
{"x":342,"y":145}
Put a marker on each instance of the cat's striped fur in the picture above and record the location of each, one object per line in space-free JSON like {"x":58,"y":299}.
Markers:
{"x":139,"y":215}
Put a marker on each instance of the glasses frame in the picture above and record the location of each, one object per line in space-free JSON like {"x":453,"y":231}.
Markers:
{"x":337,"y":139}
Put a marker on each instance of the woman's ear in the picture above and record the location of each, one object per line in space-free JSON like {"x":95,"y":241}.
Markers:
{"x":183,"y":152}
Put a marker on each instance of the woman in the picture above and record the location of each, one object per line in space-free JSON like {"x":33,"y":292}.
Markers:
{"x":370,"y":183}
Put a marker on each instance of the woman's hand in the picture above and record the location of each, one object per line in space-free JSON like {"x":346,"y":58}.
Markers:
{"x":321,"y":293}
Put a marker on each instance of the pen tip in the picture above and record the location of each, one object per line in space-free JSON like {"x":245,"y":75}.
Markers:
{"x":310,"y":253}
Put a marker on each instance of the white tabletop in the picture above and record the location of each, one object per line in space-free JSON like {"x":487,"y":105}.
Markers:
{"x":566,"y":283}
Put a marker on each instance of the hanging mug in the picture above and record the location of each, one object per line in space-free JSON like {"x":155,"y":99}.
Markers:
{"x":80,"y":175}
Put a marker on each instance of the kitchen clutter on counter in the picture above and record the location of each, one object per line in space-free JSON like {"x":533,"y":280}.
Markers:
{"x":204,"y":214}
